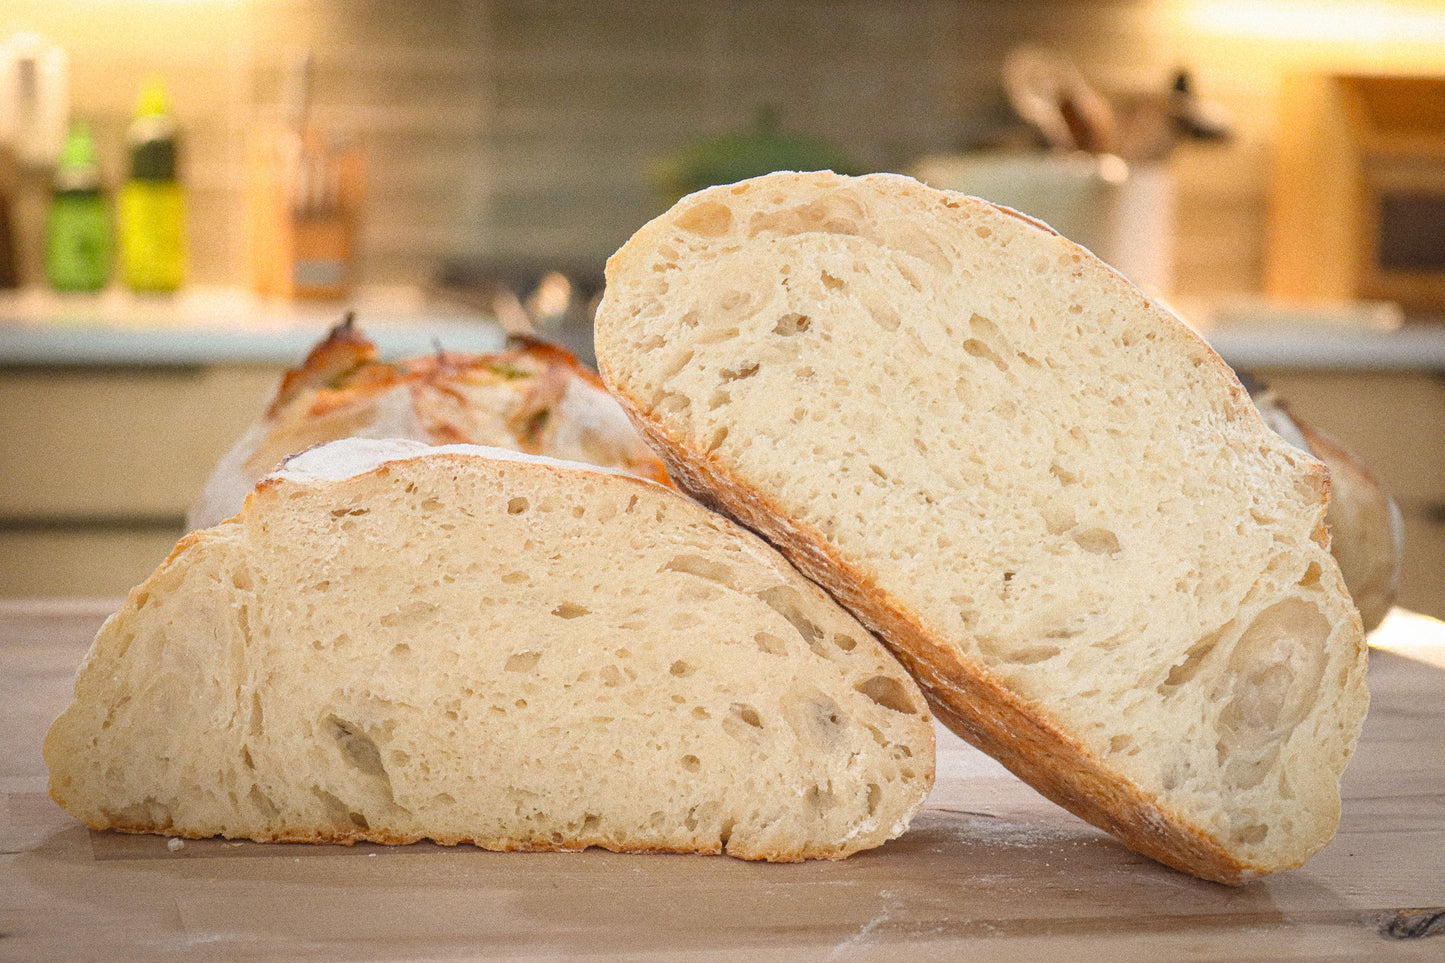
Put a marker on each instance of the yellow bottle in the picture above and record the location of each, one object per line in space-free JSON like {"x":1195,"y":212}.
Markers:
{"x":152,"y":204}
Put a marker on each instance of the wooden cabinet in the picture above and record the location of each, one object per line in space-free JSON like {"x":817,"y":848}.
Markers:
{"x":99,"y":464}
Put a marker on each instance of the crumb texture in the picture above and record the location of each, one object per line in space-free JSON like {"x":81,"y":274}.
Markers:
{"x":1040,"y":487}
{"x":514,"y":652}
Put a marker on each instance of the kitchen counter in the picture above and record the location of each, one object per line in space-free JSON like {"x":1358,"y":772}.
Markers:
{"x":222,"y":327}
{"x":989,"y":869}
{"x":1411,"y":347}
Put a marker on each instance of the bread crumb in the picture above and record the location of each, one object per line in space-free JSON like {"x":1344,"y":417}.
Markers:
{"x":175,"y":845}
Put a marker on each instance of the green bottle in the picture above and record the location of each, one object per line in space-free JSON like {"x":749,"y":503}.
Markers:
{"x":152,"y":203}
{"x":77,"y":224}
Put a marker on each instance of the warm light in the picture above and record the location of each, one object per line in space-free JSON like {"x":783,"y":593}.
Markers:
{"x":1324,"y":21}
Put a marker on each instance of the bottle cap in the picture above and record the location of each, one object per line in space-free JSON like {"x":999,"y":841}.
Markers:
{"x":79,"y":166}
{"x":152,"y":135}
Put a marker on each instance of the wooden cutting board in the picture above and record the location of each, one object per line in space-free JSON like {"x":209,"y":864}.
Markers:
{"x":989,"y":868}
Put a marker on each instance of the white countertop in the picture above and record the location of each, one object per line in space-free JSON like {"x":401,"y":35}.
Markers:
{"x":220,"y":326}
{"x":1412,"y":347}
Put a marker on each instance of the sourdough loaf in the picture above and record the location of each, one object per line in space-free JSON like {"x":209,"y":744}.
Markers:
{"x":533,"y":397}
{"x":394,"y":642}
{"x":1367,"y":531}
{"x":1049,"y":496}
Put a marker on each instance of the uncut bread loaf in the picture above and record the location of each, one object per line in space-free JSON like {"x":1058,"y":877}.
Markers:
{"x":1367,"y":531}
{"x":1050,"y":497}
{"x":533,"y":397}
{"x":395,"y":642}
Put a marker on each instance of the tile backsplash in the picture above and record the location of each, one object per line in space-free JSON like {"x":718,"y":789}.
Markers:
{"x":522,"y":130}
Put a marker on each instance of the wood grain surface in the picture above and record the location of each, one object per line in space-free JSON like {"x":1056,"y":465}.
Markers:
{"x":989,"y":870}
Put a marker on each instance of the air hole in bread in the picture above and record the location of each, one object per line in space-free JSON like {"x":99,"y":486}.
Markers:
{"x":1097,"y":541}
{"x":820,"y":800}
{"x":701,"y":567}
{"x":888,"y":692}
{"x":875,"y":796}
{"x":413,"y":614}
{"x":845,"y":642}
{"x":816,"y":719}
{"x":682,"y":669}
{"x":518,"y":505}
{"x":691,"y":763}
{"x":770,"y":643}
{"x":883,"y":313}
{"x":1274,"y":675}
{"x":791,"y":324}
{"x":787,"y":602}
{"x":1188,"y":667}
{"x":356,"y":746}
{"x":1311,"y":576}
{"x":1032,"y":654}
{"x":715,"y":336}
{"x":1123,"y":743}
{"x":1064,"y":476}
{"x":708,"y":219}
{"x":830,"y":282}
{"x":571,"y":610}
{"x":263,"y":803}
{"x":745,"y":369}
{"x":522,"y":661}
{"x":1251,"y":835}
{"x":400,"y":651}
{"x":257,"y":723}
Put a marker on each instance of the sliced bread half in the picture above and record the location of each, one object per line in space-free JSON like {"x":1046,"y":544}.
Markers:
{"x":1047,"y":494}
{"x":395,"y":642}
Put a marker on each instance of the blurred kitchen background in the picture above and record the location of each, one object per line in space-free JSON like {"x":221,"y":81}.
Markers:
{"x":1275,"y":170}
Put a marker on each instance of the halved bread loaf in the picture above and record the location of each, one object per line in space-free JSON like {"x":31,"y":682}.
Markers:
{"x":1050,"y":497}
{"x":394,"y":642}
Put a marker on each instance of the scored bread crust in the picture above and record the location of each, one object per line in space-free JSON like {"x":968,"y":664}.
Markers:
{"x":657,"y":334}
{"x":396,"y":642}
{"x":533,"y":397}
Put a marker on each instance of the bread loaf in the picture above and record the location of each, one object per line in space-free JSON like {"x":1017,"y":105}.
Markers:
{"x":1367,"y":531}
{"x":394,"y":642}
{"x":1049,"y":496}
{"x":533,"y":397}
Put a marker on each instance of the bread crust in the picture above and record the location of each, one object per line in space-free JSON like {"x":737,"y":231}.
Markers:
{"x":966,"y":695}
{"x":534,"y":396}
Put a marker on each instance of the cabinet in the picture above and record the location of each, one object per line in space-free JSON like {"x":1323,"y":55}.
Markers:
{"x":99,"y":464}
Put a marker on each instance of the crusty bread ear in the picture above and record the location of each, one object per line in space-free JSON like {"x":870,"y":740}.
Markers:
{"x":394,"y":642}
{"x":1049,"y":496}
